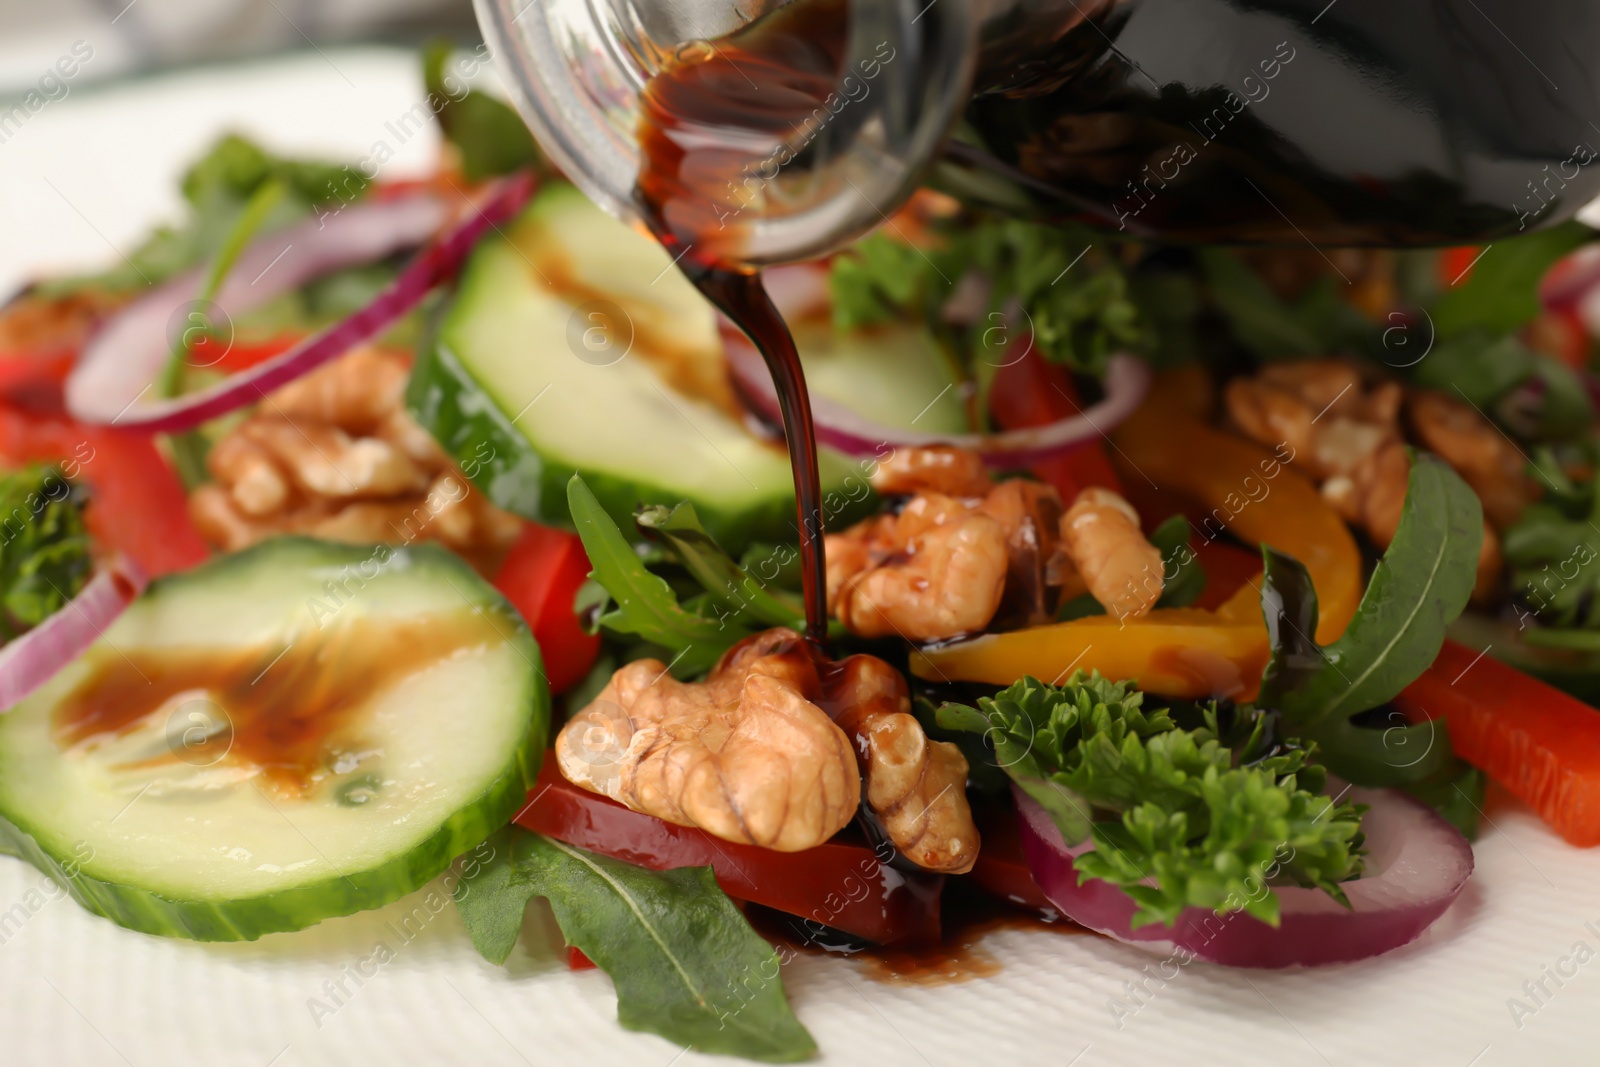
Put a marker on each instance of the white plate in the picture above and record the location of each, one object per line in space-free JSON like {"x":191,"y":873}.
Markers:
{"x":93,"y":172}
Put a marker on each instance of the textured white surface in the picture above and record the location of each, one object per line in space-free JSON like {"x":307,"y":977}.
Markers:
{"x":74,"y":989}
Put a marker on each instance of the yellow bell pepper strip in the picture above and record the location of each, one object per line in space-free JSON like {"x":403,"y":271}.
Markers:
{"x":1252,"y":494}
{"x":1248,"y":491}
{"x":1177,"y":652}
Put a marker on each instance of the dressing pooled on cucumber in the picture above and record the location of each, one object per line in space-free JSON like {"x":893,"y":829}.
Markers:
{"x":572,"y":345}
{"x":298,"y":731}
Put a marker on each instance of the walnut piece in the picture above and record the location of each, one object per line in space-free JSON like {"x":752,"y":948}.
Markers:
{"x":916,"y":788}
{"x":1348,"y":434}
{"x":935,"y":570}
{"x":746,"y":755}
{"x":1121,"y":569}
{"x":772,"y":750}
{"x":964,"y":554}
{"x":335,"y":455}
{"x":935,"y":468}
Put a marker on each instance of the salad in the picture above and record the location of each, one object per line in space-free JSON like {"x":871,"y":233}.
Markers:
{"x":1189,"y":597}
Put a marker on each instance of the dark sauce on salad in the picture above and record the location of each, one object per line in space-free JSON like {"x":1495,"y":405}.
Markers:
{"x":967,"y":917}
{"x":700,"y":115}
{"x":292,"y":712}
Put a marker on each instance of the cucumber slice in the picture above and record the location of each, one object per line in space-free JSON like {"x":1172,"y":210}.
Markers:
{"x":321,"y":729}
{"x":572,"y":345}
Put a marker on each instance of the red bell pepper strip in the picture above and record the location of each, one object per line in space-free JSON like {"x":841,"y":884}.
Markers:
{"x":540,"y":577}
{"x":840,"y":883}
{"x":231,"y":355}
{"x":1540,"y":743}
{"x":137,"y":505}
{"x":1002,"y":868}
{"x":1030,"y":392}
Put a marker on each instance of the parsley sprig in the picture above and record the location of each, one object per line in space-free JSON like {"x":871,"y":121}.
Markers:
{"x":1180,"y":816}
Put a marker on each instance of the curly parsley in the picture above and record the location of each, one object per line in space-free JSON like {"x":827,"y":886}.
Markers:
{"x":1180,"y":816}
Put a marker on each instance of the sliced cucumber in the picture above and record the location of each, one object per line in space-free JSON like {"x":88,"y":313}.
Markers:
{"x":534,"y":375}
{"x":215,"y":815}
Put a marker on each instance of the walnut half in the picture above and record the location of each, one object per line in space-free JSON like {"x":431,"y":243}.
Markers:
{"x":751,"y":756}
{"x":745,"y":755}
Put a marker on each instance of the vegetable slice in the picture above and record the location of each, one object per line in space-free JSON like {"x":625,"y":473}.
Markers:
{"x":1127,"y":378}
{"x":321,"y":730}
{"x":686,"y":964}
{"x":841,"y":883}
{"x":1416,"y":866}
{"x":118,"y":367}
{"x":1245,"y":490}
{"x":136,"y":505}
{"x":29,"y":661}
{"x":541,"y":577}
{"x":572,"y":301}
{"x":1538,"y":742}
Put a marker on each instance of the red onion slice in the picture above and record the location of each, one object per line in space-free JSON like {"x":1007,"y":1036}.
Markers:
{"x":118,"y":367}
{"x":34,"y":658}
{"x":838,"y":427}
{"x":1416,"y":866}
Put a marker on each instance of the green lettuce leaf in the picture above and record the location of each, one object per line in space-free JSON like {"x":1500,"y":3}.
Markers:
{"x":685,"y":962}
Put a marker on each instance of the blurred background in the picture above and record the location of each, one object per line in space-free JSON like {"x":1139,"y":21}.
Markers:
{"x":104,"y":104}
{"x":133,"y":37}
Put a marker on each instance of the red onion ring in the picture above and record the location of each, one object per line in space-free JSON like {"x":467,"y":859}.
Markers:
{"x":34,"y":658}
{"x":1417,"y":864}
{"x":119,"y":365}
{"x":837,"y":427}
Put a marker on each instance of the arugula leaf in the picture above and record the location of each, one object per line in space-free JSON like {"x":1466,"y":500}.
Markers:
{"x":685,"y":962}
{"x":1183,"y":579}
{"x":645,"y":604}
{"x":1481,"y":364}
{"x":1419,"y":586}
{"x":44,"y":546}
{"x":1314,"y":325}
{"x":1502,"y":292}
{"x":728,"y":583}
{"x":1204,"y":812}
{"x":490,"y":137}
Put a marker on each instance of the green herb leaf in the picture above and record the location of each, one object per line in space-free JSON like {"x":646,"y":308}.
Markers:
{"x":685,"y":963}
{"x":1208,"y":813}
{"x":44,"y":547}
{"x":1183,"y":579}
{"x":491,"y":138}
{"x":1419,"y":586}
{"x":1071,"y":290}
{"x":645,"y":604}
{"x":1502,"y":292}
{"x":1289,"y":605}
{"x":751,"y":600}
{"x":1316,"y":324}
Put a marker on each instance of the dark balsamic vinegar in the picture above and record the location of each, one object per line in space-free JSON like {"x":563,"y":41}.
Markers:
{"x":701,"y":115}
